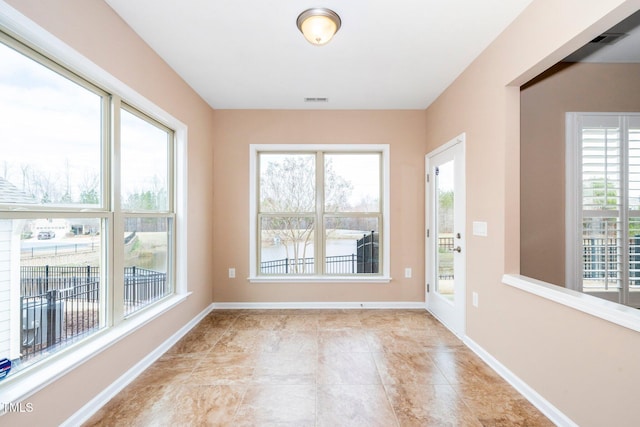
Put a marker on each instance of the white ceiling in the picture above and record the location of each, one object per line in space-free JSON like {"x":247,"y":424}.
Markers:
{"x":244,"y":54}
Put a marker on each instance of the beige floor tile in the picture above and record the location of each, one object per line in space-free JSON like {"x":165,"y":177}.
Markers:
{"x":245,"y":340}
{"x":259,"y":321}
{"x":400,"y":341}
{"x":432,"y":405}
{"x":169,"y":369}
{"x":285,"y":368}
{"x":199,"y":340}
{"x":408,"y":368}
{"x":224,"y":368}
{"x":354,"y":405}
{"x":319,"y":368}
{"x":347,"y":368}
{"x":299,"y":322}
{"x":381,"y":319}
{"x":343,"y":340}
{"x":281,"y":405}
{"x":197,"y":405}
{"x":290,"y":341}
{"x":339,"y":319}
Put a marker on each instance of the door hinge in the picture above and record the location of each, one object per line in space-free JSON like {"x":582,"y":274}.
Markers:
{"x":427,"y":232}
{"x":427,"y":177}
{"x":427,"y":288}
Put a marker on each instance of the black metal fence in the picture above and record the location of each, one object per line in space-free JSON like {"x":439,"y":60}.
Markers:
{"x":288,"y":266}
{"x":367,"y":251}
{"x":445,"y":244}
{"x":38,"y":280}
{"x":58,"y":317}
{"x":445,"y":258}
{"x":142,"y":286}
{"x":62,"y":304}
{"x":601,"y":258}
{"x":365,"y":261}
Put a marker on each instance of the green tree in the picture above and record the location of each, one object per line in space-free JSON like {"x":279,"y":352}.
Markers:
{"x":445,"y":211}
{"x":89,"y":197}
{"x":144,"y":200}
{"x":602,"y":194}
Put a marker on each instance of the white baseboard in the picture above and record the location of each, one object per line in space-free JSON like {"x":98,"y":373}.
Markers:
{"x":550,"y":411}
{"x":84,"y":413}
{"x":317,"y":305}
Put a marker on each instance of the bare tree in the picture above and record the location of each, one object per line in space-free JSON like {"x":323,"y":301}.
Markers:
{"x":288,"y":191}
{"x":89,"y":188}
{"x":46,"y":187}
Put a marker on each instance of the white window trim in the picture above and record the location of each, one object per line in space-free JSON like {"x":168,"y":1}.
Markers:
{"x":573,"y":268}
{"x":573,"y":199}
{"x":334,"y":148}
{"x":23,"y":384}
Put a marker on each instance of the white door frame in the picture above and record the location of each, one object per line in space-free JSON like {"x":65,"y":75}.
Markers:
{"x":451,"y":314}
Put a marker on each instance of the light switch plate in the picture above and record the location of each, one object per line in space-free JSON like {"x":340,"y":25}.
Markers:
{"x":480,"y":228}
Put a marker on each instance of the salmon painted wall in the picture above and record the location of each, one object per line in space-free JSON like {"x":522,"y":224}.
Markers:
{"x":235,"y":130}
{"x":564,"y":88}
{"x":586,"y":367}
{"x":94,"y":30}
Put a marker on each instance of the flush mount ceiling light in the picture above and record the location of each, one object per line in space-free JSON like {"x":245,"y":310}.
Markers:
{"x":318,"y":25}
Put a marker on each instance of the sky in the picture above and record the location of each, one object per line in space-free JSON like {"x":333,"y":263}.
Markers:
{"x":53,"y":125}
{"x":362,"y":170}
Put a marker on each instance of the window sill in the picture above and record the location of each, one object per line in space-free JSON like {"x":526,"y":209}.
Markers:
{"x":615,"y":313}
{"x":16,"y":388}
{"x":326,"y":279}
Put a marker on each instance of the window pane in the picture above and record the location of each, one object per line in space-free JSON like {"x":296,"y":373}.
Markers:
{"x":287,"y":245}
{"x":351,"y":245}
{"x":145,"y":171}
{"x":287,"y":182}
{"x":352,"y":182}
{"x":634,"y":253}
{"x":602,"y":247}
{"x":601,"y":167}
{"x":634,"y":210}
{"x":51,"y":285}
{"x":146,"y":260}
{"x":634,"y":164}
{"x":50,"y":136}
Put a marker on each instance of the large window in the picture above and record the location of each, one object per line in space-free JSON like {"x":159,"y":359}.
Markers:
{"x":604,"y":206}
{"x":319,"y":212}
{"x":87,"y":208}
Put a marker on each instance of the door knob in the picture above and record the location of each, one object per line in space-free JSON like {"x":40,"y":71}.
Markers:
{"x":457,"y":249}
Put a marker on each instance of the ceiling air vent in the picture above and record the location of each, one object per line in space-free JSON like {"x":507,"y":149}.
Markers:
{"x":316,"y":99}
{"x":608,"y":38}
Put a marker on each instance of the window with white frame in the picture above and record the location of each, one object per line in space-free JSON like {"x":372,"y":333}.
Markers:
{"x":603,"y":205}
{"x":87,"y":207}
{"x":319,"y":211}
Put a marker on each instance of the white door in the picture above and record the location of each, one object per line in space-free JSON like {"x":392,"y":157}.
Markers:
{"x":445,"y":240}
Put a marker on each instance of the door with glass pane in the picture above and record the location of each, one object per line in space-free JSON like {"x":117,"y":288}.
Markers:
{"x":445,"y":234}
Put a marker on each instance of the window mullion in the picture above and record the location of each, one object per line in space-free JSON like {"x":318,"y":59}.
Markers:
{"x":116,"y":266}
{"x":624,"y":208}
{"x":319,"y":231}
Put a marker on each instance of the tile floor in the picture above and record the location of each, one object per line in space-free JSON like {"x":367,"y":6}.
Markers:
{"x":319,"y":368}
